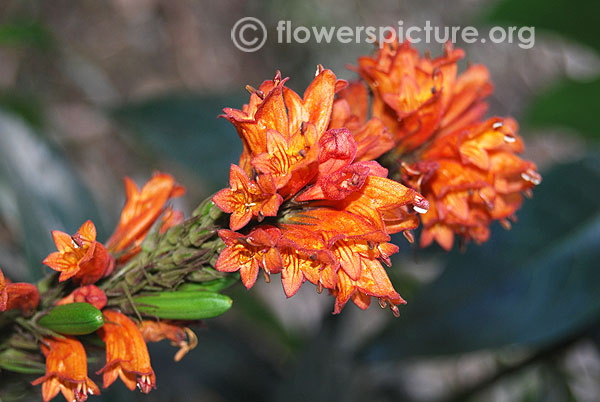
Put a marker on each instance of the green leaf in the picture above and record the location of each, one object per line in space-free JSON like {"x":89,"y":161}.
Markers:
{"x":185,"y":129}
{"x":532,"y":285}
{"x":47,"y":192}
{"x":575,"y":19}
{"x":28,"y":107}
{"x":27,"y":33}
{"x":569,"y":104}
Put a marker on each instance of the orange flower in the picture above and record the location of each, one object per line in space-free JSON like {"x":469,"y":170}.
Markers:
{"x":18,"y":295}
{"x":471,"y":177}
{"x":245,"y":199}
{"x":126,"y":353}
{"x":417,"y":97}
{"x":66,"y":370}
{"x":80,"y":256}
{"x":279,"y":128}
{"x":170,"y":218}
{"x":183,"y":337}
{"x":350,"y":110}
{"x":249,"y":253}
{"x":86,"y":294}
{"x":335,"y":207}
{"x":141,"y":210}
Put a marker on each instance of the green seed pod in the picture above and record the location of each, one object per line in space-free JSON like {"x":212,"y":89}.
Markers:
{"x":73,"y":319}
{"x":186,"y":305}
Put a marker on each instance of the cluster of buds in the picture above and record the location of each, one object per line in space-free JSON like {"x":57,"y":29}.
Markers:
{"x":307,"y":200}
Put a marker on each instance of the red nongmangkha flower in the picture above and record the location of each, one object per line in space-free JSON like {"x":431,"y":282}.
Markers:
{"x":245,"y":199}
{"x":329,"y":209}
{"x":66,"y":370}
{"x":417,"y":97}
{"x":350,"y":110}
{"x":24,"y":296}
{"x":142,"y":209}
{"x":466,"y":168}
{"x":471,"y":177}
{"x":80,"y":256}
{"x":126,"y":353}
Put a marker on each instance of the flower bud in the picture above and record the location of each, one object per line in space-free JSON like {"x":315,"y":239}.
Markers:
{"x":183,"y":305}
{"x":73,"y":319}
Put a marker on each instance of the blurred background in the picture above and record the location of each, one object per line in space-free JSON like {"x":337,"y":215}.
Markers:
{"x":92,"y":91}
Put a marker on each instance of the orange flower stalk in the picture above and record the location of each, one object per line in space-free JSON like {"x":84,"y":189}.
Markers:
{"x":126,"y":353}
{"x":24,"y":296}
{"x":66,"y":370}
{"x":141,"y":210}
{"x":417,"y":97}
{"x":328,"y":209}
{"x":471,"y":178}
{"x":80,"y":256}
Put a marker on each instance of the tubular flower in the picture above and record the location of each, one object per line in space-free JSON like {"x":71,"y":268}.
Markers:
{"x":126,"y":353}
{"x":24,"y":296}
{"x":80,"y":256}
{"x":417,"y":97}
{"x":66,"y":370}
{"x":169,"y":219}
{"x":350,"y":110}
{"x":328,"y":209}
{"x":183,"y":337}
{"x":472,"y":177}
{"x":142,"y":209}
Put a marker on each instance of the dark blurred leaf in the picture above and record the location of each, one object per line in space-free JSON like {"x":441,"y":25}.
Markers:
{"x":323,"y":371}
{"x":259,"y":313}
{"x":570,"y":104}
{"x":48,"y":193}
{"x":185,"y":129}
{"x":532,"y":285}
{"x":576,"y":19}
{"x":28,"y":33}
{"x":225,"y":366}
{"x":27,"y":107}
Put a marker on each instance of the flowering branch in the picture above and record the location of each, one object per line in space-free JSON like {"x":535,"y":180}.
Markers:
{"x":307,"y":200}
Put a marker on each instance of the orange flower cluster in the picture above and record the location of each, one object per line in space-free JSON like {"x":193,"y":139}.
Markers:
{"x":307,"y":200}
{"x":465,"y":167}
{"x":85,"y":260}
